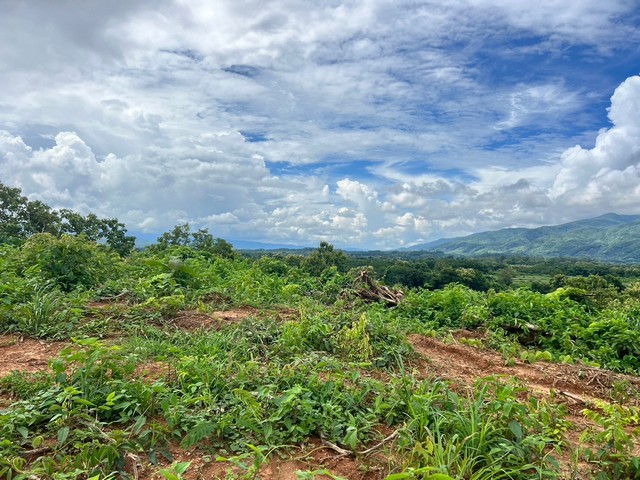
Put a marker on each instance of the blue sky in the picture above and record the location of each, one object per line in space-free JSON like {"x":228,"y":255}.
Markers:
{"x":370,"y":124}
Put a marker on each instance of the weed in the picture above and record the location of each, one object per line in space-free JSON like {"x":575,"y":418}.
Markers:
{"x":176,"y":471}
{"x":614,"y":455}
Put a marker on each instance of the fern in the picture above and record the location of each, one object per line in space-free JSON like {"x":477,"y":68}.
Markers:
{"x":197,"y":433}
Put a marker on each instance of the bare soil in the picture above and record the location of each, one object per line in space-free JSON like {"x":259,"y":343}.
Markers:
{"x":464,"y":364}
{"x":26,"y":354}
{"x":314,"y":456}
{"x":577,"y":386}
{"x":193,"y":320}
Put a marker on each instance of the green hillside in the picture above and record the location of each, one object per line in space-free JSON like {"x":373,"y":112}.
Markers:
{"x":610,"y":237}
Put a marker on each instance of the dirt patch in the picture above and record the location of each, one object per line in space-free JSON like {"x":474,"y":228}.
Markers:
{"x":152,"y":371}
{"x":465,"y":364}
{"x":213,"y":321}
{"x":193,"y":320}
{"x":577,"y":386}
{"x":319,"y":456}
{"x":313,"y":456}
{"x":26,"y":354}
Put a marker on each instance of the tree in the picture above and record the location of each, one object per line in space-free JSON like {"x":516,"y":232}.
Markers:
{"x":107,"y":230}
{"x":69,"y":261}
{"x":13,"y":214}
{"x":324,"y":257}
{"x":42,"y":219}
{"x":21,"y":218}
{"x":201,"y":241}
{"x":505,"y":276}
{"x":409,"y":274}
{"x":179,"y":236}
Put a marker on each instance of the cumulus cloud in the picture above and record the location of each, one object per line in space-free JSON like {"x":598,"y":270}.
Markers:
{"x":364,"y":123}
{"x":607,"y":174}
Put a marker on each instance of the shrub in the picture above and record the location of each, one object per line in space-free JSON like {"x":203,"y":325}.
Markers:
{"x":70,"y":262}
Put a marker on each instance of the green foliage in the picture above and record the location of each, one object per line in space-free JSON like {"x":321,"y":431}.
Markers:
{"x":488,"y":435}
{"x":21,"y":218}
{"x":354,"y":341}
{"x":308,"y":362}
{"x":23,"y":385}
{"x":94,"y":413}
{"x":614,"y":456}
{"x":444,"y":275}
{"x":201,"y":241}
{"x":409,"y":274}
{"x":250,"y":470}
{"x":47,"y":313}
{"x":455,"y":306}
{"x":604,"y":238}
{"x":324,"y":257}
{"x":69,"y":262}
{"x":176,"y":471}
{"x":107,"y":230}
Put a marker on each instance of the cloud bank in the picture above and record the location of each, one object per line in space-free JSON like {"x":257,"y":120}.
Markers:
{"x":368,"y":124}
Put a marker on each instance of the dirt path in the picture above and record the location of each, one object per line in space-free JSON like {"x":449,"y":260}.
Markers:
{"x":464,"y":364}
{"x":193,"y":320}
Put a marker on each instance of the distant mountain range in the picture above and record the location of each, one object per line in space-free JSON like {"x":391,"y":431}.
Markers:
{"x":610,"y":238}
{"x":145,"y":239}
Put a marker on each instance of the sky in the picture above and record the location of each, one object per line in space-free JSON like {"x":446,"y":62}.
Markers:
{"x":371,"y":124}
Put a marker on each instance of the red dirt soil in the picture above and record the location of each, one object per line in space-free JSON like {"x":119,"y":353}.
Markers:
{"x":464,"y":364}
{"x":26,"y":354}
{"x":192,"y":320}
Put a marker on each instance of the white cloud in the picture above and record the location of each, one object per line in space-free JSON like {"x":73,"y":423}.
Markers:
{"x":379,"y":122}
{"x":605,"y":174}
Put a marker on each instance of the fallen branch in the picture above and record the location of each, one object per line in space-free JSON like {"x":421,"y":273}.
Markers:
{"x":378,"y":445}
{"x":134,"y":464}
{"x":336,"y":448}
{"x":528,"y":333}
{"x":367,"y":289}
{"x":573,"y":397}
{"x":37,"y":451}
{"x":345,"y":453}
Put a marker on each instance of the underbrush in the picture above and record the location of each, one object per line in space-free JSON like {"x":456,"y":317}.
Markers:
{"x":93,"y":412}
{"x":566,"y":329}
{"x":332,"y":368}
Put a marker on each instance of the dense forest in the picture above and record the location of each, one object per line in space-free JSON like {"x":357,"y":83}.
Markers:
{"x":189,"y":359}
{"x":609,"y":237}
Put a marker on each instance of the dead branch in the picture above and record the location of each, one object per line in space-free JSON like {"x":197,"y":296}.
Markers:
{"x":573,"y":397}
{"x":37,"y":452}
{"x":378,"y":445}
{"x":367,"y":289}
{"x":341,"y":451}
{"x":528,"y":333}
{"x":345,"y":453}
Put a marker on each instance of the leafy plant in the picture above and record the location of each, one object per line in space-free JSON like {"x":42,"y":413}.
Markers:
{"x":46,"y":314}
{"x":354,"y":341}
{"x":614,"y":455}
{"x":176,"y":471}
{"x":69,"y":262}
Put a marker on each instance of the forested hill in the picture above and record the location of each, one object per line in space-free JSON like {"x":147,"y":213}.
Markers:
{"x":610,"y":237}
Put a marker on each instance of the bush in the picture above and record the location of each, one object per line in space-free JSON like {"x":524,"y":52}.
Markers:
{"x":69,"y":262}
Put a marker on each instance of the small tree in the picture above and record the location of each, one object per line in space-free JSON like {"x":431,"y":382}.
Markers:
{"x":69,"y":261}
{"x":324,"y":257}
{"x":201,"y":241}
